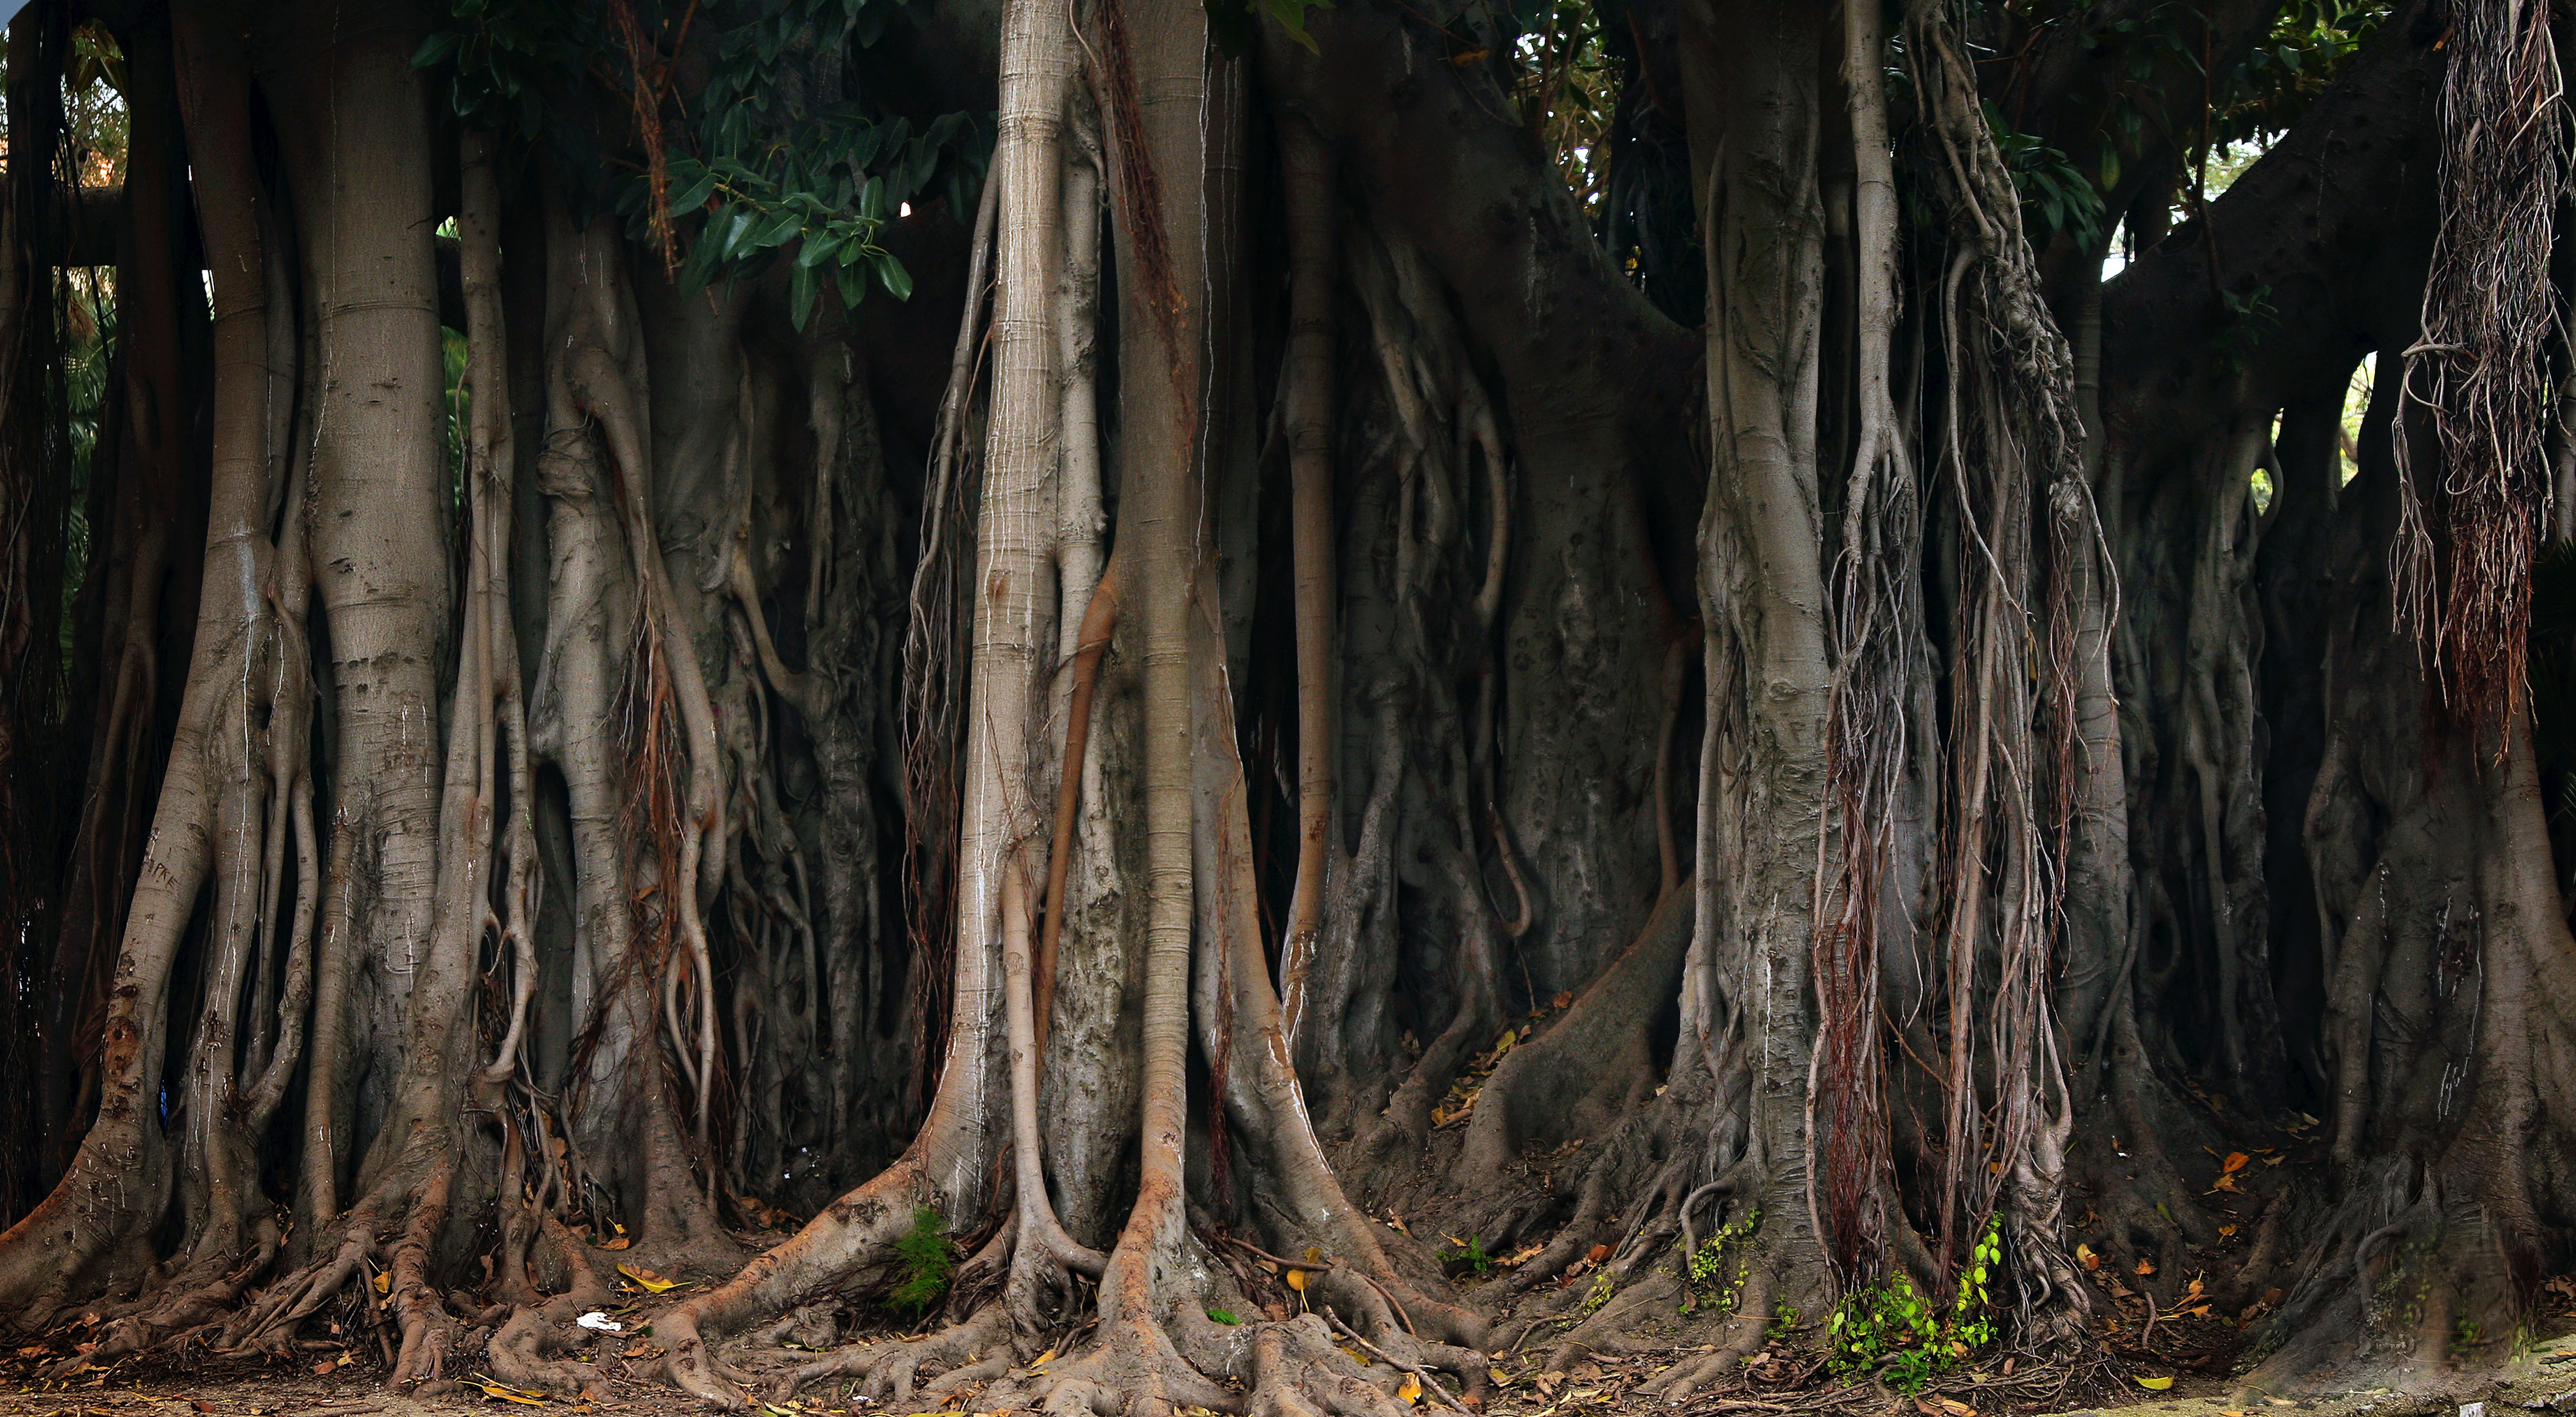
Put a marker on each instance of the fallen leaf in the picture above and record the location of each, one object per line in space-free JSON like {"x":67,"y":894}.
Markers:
{"x":2144,"y":1267}
{"x":1472,"y":56}
{"x":1297,"y":1280}
{"x":323,"y":1368}
{"x":1410,"y":1390}
{"x":621,"y":1242}
{"x":495,"y":1390}
{"x":2155,"y":1384}
{"x":647,"y":1278}
{"x":2274,"y":1160}
{"x":1955,"y":1407}
{"x":2235,"y":1161}
{"x":384,"y":1283}
{"x":1598,"y":1254}
{"x":2225,"y":1182}
{"x":2225,"y":1230}
{"x":1563,"y":998}
{"x":2091,"y":1260}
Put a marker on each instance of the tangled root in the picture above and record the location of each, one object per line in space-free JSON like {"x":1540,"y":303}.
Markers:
{"x":978,"y":1350}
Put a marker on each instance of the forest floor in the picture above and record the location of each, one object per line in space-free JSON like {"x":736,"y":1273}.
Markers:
{"x":332,"y":1380}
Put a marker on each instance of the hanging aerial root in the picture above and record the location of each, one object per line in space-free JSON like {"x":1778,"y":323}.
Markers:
{"x":2478,"y":370}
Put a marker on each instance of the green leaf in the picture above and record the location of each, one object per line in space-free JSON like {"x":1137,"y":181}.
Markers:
{"x":1221,"y":1316}
{"x":435,"y":49}
{"x":800,"y":294}
{"x":892,"y":275}
{"x":693,"y":189}
{"x":854,"y":287}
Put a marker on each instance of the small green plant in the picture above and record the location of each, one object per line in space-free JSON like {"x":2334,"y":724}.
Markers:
{"x":924,"y":1261}
{"x":1784,"y":1321}
{"x":1470,"y":1254}
{"x":2466,"y":1335}
{"x":1888,"y":1328}
{"x":1895,"y":1330}
{"x":1714,"y":1283}
{"x":1602,"y":1288}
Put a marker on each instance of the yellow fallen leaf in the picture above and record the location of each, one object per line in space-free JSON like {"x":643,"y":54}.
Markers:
{"x":491,"y":1389}
{"x":647,"y":1278}
{"x":1313,"y":1254}
{"x":1439,"y":1117}
{"x":1410,"y":1390}
{"x":2235,"y":1161}
{"x":2091,"y":1260}
{"x":2155,"y":1384}
{"x":2226,"y":1182}
{"x":2226,"y":1230}
{"x":1297,"y":1280}
{"x":1472,"y":56}
{"x":2144,"y":1267}
{"x":621,"y":1242}
{"x":384,"y":1283}
{"x":1044,"y":1359}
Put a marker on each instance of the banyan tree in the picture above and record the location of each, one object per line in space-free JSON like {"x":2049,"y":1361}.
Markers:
{"x":1240,"y":702}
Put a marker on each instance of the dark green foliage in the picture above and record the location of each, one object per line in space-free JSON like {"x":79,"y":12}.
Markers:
{"x":924,"y":1263}
{"x":779,"y":155}
{"x":499,"y":58}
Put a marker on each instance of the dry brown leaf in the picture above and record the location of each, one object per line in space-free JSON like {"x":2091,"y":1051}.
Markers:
{"x":2144,"y":1267}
